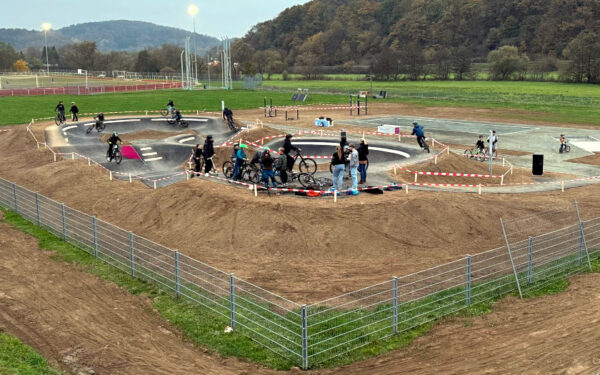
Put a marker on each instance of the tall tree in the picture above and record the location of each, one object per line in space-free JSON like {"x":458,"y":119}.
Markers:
{"x":584,"y":53}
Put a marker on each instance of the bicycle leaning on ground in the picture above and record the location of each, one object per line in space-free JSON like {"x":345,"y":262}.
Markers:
{"x":476,"y":152}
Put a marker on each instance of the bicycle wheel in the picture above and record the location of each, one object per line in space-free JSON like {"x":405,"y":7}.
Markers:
{"x":252,"y":176}
{"x":308,"y":165}
{"x":164,"y":112}
{"x":228,"y":171}
{"x":57,"y":120}
{"x":567,"y":148}
{"x":184,"y":124}
{"x":306,"y":180}
{"x":468,"y":153}
{"x":118,"y":157}
{"x":171,"y":121}
{"x":89,"y":129}
{"x":227,"y":164}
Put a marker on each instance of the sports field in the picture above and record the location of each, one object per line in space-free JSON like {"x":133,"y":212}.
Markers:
{"x":526,"y":101}
{"x":40,"y":80}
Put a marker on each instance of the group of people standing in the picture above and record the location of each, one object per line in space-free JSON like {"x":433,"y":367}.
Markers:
{"x":351,"y":158}
{"x":206,"y":153}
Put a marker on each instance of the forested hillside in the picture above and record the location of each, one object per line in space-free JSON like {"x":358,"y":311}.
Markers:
{"x":346,"y":33}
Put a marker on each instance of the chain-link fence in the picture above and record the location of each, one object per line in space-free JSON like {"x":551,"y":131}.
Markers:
{"x":320,"y":333}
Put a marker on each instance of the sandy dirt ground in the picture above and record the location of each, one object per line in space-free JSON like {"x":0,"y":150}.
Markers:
{"x":555,"y":334}
{"x":592,"y":159}
{"x":85,"y":325}
{"x":305,"y":250}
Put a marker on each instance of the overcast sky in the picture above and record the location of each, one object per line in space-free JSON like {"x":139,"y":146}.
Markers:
{"x":216,"y":18}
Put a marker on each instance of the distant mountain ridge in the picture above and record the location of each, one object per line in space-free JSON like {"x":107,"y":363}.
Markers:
{"x":121,"y":35}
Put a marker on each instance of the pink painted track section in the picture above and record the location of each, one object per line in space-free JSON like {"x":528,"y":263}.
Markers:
{"x":130,"y":153}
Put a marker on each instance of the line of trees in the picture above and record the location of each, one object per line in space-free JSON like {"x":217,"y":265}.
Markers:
{"x":85,"y":55}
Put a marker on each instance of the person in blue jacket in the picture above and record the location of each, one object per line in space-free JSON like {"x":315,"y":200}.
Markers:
{"x":240,"y":158}
{"x":420,"y":133}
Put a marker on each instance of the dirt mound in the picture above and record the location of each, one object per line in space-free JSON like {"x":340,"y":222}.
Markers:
{"x":85,"y":325}
{"x":591,"y":159}
{"x":454,"y":163}
{"x":305,"y":250}
{"x":548,"y":335}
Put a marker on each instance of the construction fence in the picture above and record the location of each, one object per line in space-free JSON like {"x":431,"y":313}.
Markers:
{"x":327,"y":332}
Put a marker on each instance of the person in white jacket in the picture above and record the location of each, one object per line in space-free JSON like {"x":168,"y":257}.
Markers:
{"x":353,"y":165}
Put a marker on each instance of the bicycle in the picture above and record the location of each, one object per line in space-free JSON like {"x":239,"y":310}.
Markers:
{"x":567,"y":149}
{"x":307,"y":180}
{"x":60,"y":119}
{"x":116,"y":154}
{"x":423,"y":143}
{"x":306,"y":165}
{"x":182,"y":122}
{"x":165,"y":111}
{"x":231,"y":124}
{"x":248,"y":172}
{"x":99,"y":126}
{"x":476,"y":152}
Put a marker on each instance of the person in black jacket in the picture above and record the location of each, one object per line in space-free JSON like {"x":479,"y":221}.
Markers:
{"x":114,"y":138}
{"x":209,"y":153}
{"x":338,"y":161}
{"x":363,"y":159}
{"x":74,"y":110}
{"x":60,"y":107}
{"x":196,"y":157}
{"x":287,"y":148}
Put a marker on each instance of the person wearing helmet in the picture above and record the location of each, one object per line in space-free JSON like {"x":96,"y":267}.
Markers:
{"x":228,"y":117}
{"x":420,"y":133}
{"x":236,"y":147}
{"x":114,"y":138}
{"x":208,"y":153}
{"x":170,"y":107}
{"x":563,"y":143}
{"x":287,"y":148}
{"x":177,"y":116}
{"x":240,"y":158}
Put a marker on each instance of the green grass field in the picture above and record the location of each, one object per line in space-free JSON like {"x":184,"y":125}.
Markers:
{"x":527,"y":101}
{"x":17,"y":358}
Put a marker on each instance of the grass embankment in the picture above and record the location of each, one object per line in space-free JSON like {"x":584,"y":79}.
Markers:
{"x":17,"y":358}
{"x":203,"y":327}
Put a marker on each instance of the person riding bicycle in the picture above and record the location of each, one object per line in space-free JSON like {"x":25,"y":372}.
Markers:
{"x":563,"y":143}
{"x":419,"y":132}
{"x":60,"y":107}
{"x":114,"y":138}
{"x":240,"y":158}
{"x":493,"y":141}
{"x":479,"y":144}
{"x":228,"y":115}
{"x":99,"y":119}
{"x":170,"y":107}
{"x":177,"y":116}
{"x":287,"y":148}
{"x":209,"y":153}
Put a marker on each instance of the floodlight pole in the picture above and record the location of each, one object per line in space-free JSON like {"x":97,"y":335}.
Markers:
{"x":46,"y":44}
{"x":181,"y":57}
{"x":195,"y":49}
{"x":491,"y":152}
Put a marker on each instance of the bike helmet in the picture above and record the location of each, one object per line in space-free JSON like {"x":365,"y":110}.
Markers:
{"x":267,"y":148}
{"x":115,"y":134}
{"x":415,"y":123}
{"x":288,"y":136}
{"x":243,"y":145}
{"x":209,"y":137}
{"x":101,"y":113}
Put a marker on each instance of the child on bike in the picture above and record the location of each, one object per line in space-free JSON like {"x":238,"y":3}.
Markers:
{"x":420,"y":133}
{"x":563,"y":143}
{"x":170,"y":107}
{"x":99,"y":121}
{"x":114,"y":138}
{"x":60,"y":107}
{"x":479,"y":144}
{"x":287,"y":148}
{"x":178,"y":117}
{"x":240,"y":158}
